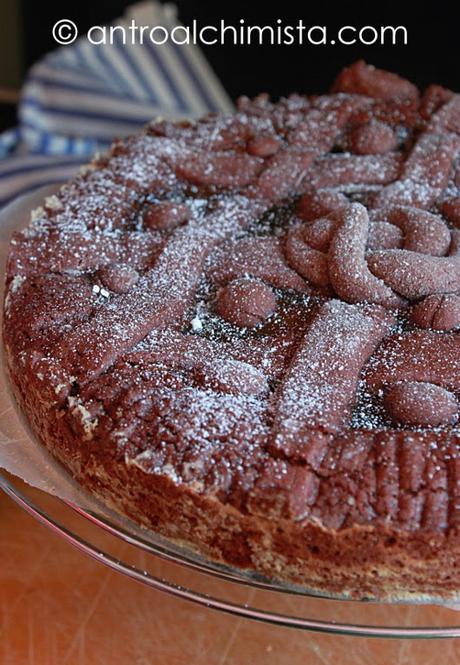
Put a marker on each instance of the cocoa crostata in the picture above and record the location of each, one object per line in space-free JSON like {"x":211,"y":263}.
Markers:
{"x":244,"y":333}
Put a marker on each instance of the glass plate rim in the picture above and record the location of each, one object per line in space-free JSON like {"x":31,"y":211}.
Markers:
{"x":213,"y":602}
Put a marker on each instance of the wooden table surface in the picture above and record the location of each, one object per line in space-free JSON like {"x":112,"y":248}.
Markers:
{"x":58,"y":607}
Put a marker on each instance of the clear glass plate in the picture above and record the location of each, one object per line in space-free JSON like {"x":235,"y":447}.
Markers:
{"x":148,"y":558}
{"x":165,"y":567}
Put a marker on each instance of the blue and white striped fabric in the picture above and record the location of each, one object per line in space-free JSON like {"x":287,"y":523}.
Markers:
{"x":78,"y":98}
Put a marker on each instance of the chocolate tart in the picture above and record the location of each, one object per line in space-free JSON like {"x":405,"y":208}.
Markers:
{"x":243,"y":332}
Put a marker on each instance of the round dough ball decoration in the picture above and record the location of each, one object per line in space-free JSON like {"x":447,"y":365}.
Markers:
{"x":166,"y":215}
{"x":439,"y":312}
{"x":372,"y":138}
{"x":246,"y":302}
{"x":451,"y":210}
{"x":420,"y":404}
{"x":263,"y":146}
{"x":118,"y":278}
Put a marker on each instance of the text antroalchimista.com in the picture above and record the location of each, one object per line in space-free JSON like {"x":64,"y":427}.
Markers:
{"x":237,"y":34}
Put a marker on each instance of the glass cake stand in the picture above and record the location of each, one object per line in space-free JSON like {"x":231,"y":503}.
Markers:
{"x":145,"y":557}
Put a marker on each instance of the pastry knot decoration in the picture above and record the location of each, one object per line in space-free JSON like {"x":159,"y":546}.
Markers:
{"x":392,"y":256}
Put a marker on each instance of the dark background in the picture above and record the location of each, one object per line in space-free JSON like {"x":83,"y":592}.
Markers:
{"x":431,"y":55}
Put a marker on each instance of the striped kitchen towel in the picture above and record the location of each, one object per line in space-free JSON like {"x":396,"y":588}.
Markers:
{"x":78,"y":98}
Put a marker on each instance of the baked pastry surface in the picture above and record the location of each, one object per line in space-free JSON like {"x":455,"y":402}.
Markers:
{"x":243,"y":332}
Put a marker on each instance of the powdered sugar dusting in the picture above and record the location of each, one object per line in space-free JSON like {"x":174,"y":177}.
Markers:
{"x":117,"y":321}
